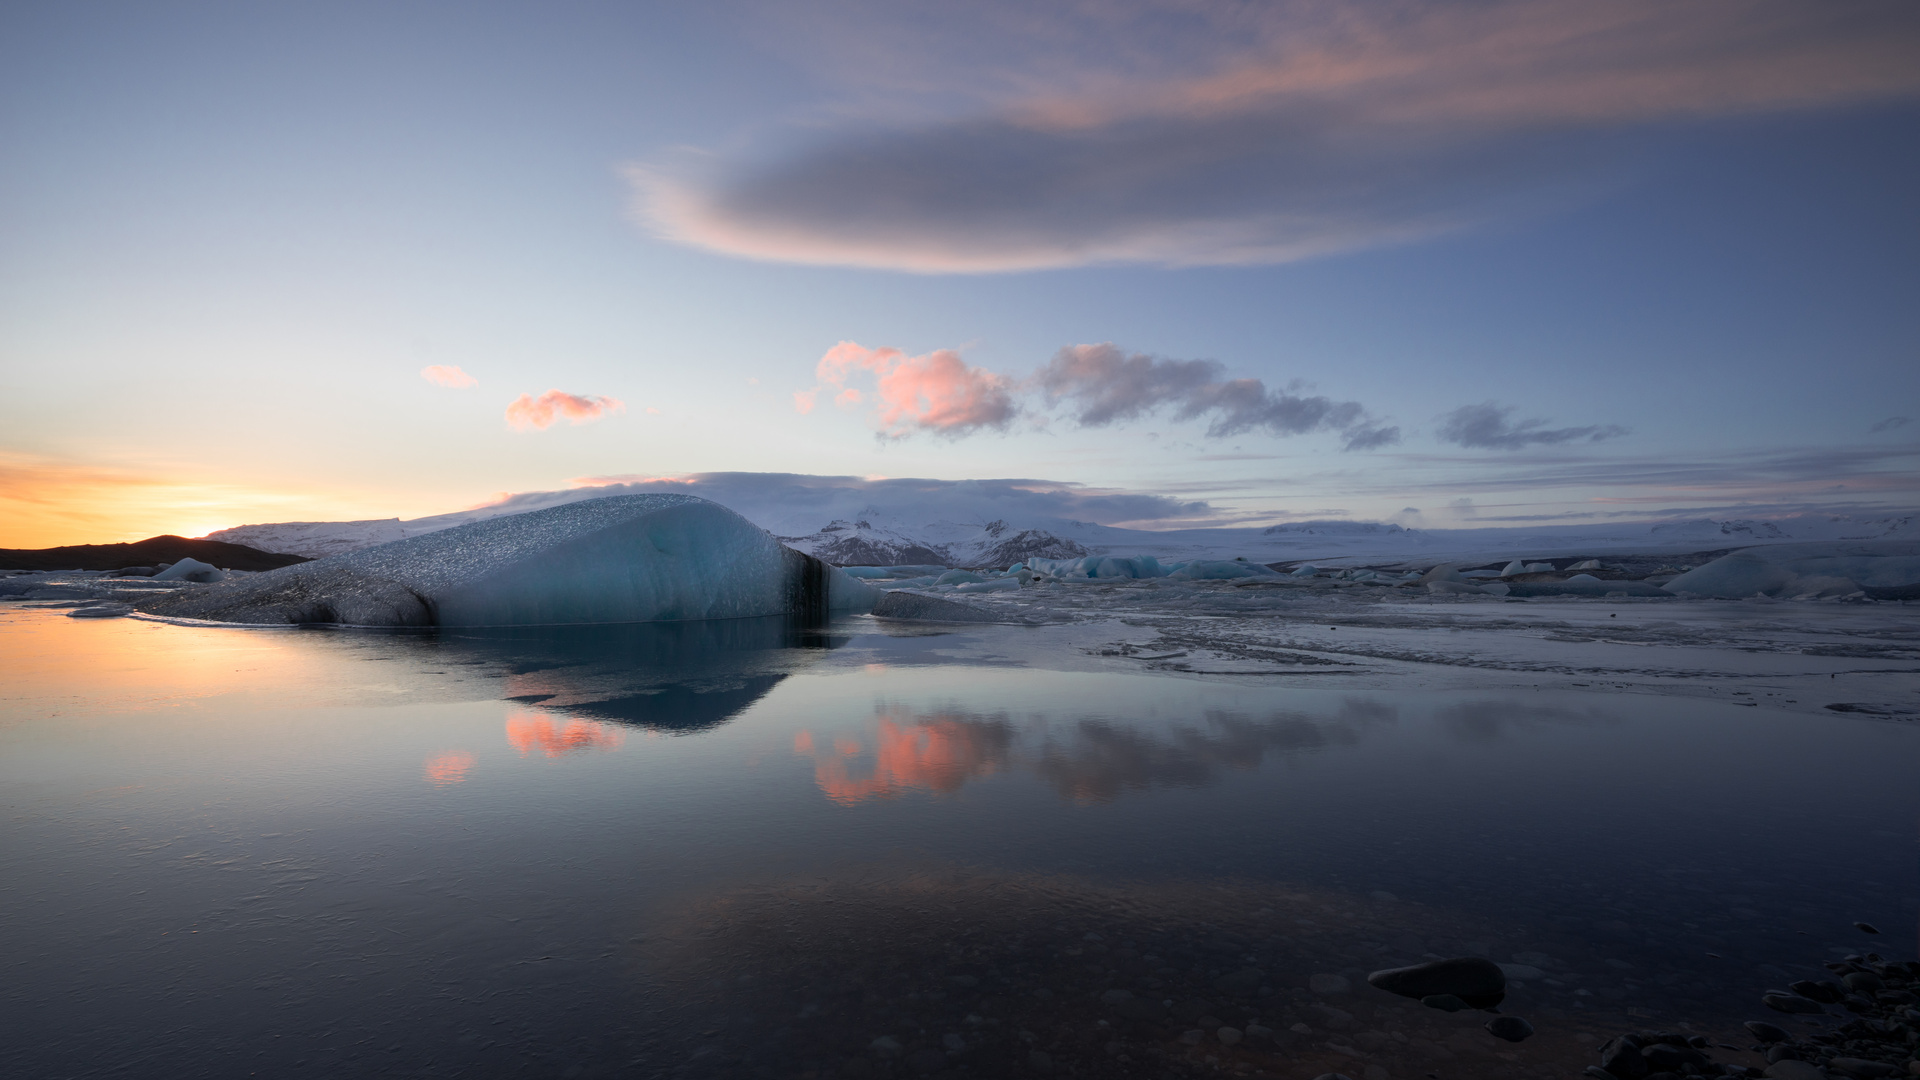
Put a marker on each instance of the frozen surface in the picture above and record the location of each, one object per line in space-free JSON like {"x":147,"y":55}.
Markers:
{"x":631,"y":558}
{"x":191,"y":570}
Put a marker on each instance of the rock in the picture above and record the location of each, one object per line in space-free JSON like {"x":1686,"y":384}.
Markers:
{"x":927,"y":1060}
{"x":1229,"y":1035}
{"x":885,"y":1044}
{"x":1333,"y":1076}
{"x":1329,"y":984}
{"x":953,"y":1043}
{"x":1115,"y":996}
{"x":1257,"y":1031}
{"x":1866,"y":928}
{"x":1621,"y":1058}
{"x":1510,"y":1028}
{"x":1824,"y":992}
{"x":1767,"y":1033}
{"x":1794,"y":1070}
{"x":1790,"y":1003}
{"x":1861,"y":1067}
{"x":1862,"y":982}
{"x":1192,"y":1036}
{"x":1444,"y":1002}
{"x":1476,"y":981}
{"x":1039,"y":1061}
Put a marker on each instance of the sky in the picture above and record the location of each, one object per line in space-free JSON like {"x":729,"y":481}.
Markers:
{"x":1442,"y":264}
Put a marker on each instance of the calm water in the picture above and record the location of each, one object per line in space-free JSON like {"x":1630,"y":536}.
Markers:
{"x":731,"y":850}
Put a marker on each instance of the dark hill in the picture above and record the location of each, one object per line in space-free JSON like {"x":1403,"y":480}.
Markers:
{"x":158,"y":549}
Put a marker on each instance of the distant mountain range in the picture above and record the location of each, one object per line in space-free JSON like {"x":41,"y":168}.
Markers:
{"x":877,"y":537}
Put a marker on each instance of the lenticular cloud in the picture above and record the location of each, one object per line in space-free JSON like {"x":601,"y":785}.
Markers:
{"x":539,"y":413}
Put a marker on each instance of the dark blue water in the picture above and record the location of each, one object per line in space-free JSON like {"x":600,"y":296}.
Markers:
{"x":734,"y":849}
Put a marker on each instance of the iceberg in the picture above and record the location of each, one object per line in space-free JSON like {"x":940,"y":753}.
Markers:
{"x":621,"y":559}
{"x":190,"y":570}
{"x":1879,"y":570}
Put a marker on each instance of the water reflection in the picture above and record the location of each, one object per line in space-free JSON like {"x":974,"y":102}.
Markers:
{"x":1086,"y":761}
{"x":938,"y":752}
{"x":671,"y":677}
{"x":530,"y":731}
{"x":451,"y":768}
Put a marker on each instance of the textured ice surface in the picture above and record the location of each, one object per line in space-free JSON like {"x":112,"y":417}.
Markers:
{"x":629,"y":558}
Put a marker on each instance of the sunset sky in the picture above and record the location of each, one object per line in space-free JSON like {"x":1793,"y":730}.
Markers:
{"x":1474,"y":262}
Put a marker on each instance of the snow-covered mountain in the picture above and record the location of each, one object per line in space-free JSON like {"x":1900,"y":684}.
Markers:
{"x":879,"y":536}
{"x":995,"y":544}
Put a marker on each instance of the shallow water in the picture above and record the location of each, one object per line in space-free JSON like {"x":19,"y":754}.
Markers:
{"x":730,"y":849}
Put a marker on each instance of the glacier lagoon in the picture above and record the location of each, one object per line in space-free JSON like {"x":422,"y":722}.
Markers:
{"x":740,"y":847}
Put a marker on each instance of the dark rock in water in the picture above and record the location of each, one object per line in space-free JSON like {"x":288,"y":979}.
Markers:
{"x":1790,"y":1003}
{"x":1866,"y":928}
{"x":1826,"y":993}
{"x":1333,"y":1076}
{"x":1510,"y":1028}
{"x":1444,"y":1002}
{"x":1475,"y":980}
{"x":1621,"y":1058}
{"x":1767,"y":1033}
{"x":1862,"y":982}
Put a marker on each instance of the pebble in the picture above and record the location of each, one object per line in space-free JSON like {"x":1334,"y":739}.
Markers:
{"x":1794,"y":1070}
{"x":1330,"y":984}
{"x":1767,"y":1033}
{"x":1790,"y":1003}
{"x":1510,"y":1028}
{"x":1229,"y":1035}
{"x":885,"y":1044}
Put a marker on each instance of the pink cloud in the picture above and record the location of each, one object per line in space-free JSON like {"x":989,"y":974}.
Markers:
{"x":530,"y":412}
{"x":936,"y":392}
{"x":447,"y":375}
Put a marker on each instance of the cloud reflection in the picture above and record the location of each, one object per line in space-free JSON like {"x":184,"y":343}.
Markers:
{"x":446,"y":769}
{"x":1088,"y":761}
{"x":938,"y":752}
{"x":530,"y":731}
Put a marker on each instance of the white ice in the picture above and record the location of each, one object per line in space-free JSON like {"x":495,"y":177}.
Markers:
{"x":188,"y":569}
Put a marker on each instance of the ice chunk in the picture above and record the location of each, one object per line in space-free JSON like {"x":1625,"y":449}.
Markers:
{"x":1586,"y":564}
{"x":628,"y":558}
{"x":1514,"y":567}
{"x":996,"y":585}
{"x":909,"y":605}
{"x":188,"y":569}
{"x":1304,"y":570}
{"x":1221,"y":570}
{"x":958,"y":577}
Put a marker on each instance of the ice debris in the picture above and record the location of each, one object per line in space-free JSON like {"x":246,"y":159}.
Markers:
{"x":627,"y":558}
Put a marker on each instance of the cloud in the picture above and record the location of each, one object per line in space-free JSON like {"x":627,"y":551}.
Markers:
{"x":526,"y":412}
{"x":1105,"y":385}
{"x":937,"y":391}
{"x":1486,"y":427}
{"x":447,"y":375}
{"x":1891,"y":423}
{"x":1015,"y":137}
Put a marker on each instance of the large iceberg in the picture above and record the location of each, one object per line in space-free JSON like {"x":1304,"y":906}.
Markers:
{"x":622,"y":559}
{"x":1881,"y":570}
